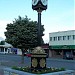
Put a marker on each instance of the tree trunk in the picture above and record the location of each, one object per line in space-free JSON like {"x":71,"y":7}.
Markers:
{"x":22,"y":61}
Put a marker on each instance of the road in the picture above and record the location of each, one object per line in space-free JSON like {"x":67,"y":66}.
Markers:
{"x":67,"y":64}
{"x":15,"y":60}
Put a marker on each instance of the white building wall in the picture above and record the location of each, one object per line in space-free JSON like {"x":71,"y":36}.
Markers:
{"x":19,"y":52}
{"x":70,"y":33}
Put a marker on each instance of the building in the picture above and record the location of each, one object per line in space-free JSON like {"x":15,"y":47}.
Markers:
{"x":5,"y":48}
{"x":46,"y":48}
{"x":61,"y":42}
{"x":16,"y":51}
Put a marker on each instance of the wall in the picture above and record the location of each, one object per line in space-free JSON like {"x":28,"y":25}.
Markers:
{"x":67,"y":41}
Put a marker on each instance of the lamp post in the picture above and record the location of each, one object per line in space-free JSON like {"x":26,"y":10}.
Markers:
{"x":39,"y":29}
{"x":39,"y":6}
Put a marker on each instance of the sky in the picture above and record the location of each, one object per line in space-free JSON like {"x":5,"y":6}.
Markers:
{"x":59,"y":15}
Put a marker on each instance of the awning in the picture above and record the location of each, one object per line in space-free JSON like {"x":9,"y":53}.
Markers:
{"x":62,"y":47}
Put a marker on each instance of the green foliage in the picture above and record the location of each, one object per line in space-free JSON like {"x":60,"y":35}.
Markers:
{"x":2,"y":43}
{"x":22,"y":33}
{"x":62,"y":69}
{"x":42,"y":71}
{"x":15,"y":67}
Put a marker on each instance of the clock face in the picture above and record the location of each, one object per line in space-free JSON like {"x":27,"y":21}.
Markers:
{"x":44,"y":2}
{"x":34,"y":2}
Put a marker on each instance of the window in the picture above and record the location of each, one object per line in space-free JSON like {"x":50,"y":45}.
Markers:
{"x":73,"y":37}
{"x":64,"y":37}
{"x":5,"y":49}
{"x":2,"y":49}
{"x":59,"y":38}
{"x":69,"y":37}
{"x":50,"y":38}
{"x":55,"y":38}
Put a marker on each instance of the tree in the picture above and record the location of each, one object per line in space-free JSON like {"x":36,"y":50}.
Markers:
{"x":2,"y":43}
{"x":22,"y":33}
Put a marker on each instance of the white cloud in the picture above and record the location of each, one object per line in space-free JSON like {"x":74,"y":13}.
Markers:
{"x":1,"y":39}
{"x":61,"y":22}
{"x":3,"y":25}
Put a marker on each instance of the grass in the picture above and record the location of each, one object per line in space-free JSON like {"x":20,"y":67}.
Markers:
{"x":43,"y":71}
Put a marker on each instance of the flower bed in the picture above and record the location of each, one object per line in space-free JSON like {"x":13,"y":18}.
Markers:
{"x":43,"y":71}
{"x":21,"y":71}
{"x":8,"y":71}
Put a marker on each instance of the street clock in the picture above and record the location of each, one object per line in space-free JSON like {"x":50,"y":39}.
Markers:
{"x":39,"y":5}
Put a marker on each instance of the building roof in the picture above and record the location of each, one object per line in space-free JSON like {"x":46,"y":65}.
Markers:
{"x":6,"y":45}
{"x":62,"y":31}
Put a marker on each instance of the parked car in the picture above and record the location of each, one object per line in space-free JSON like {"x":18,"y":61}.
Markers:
{"x":27,"y":54}
{"x":68,"y":55}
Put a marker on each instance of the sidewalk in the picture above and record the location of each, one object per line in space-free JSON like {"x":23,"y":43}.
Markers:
{"x":7,"y":64}
{"x":1,"y":70}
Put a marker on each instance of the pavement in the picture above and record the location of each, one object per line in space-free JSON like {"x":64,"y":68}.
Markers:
{"x":1,"y":70}
{"x":4,"y":64}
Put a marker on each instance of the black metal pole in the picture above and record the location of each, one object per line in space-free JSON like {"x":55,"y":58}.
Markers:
{"x":39,"y":29}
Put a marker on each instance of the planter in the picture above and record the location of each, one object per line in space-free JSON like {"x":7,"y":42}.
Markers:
{"x":9,"y":71}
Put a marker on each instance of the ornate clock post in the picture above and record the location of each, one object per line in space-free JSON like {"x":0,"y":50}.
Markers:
{"x":38,"y":57}
{"x":39,"y":6}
